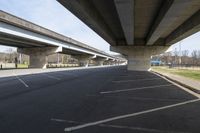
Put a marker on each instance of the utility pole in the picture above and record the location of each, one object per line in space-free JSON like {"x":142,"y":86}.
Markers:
{"x":20,"y":58}
{"x":58,"y":58}
{"x":180,"y":55}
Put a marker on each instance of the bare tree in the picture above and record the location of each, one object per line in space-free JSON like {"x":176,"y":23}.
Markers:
{"x":194,"y":57}
{"x":184,"y":57}
{"x":198,"y":57}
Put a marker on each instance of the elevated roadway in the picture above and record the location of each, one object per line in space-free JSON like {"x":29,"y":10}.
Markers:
{"x":138,"y":28}
{"x":39,"y":42}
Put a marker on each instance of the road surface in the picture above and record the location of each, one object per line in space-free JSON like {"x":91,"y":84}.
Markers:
{"x":97,"y":100}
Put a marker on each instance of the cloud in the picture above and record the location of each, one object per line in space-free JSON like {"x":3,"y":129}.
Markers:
{"x":190,"y":43}
{"x":52,"y":15}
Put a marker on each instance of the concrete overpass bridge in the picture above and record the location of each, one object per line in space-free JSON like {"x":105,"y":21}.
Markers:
{"x":39,"y":42}
{"x":138,"y":28}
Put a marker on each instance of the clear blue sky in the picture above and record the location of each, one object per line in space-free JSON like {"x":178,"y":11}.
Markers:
{"x":52,"y":15}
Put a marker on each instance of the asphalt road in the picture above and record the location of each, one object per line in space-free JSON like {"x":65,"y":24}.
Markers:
{"x":98,"y":100}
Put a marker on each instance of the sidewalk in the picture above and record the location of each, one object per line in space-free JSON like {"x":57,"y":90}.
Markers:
{"x":191,"y":84}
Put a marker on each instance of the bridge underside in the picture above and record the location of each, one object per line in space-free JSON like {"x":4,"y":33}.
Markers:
{"x":150,"y":24}
{"x":39,"y":42}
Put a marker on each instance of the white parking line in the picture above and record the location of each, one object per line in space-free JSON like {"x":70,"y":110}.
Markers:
{"x":121,"y":127}
{"x":133,"y":89}
{"x":69,"y":129}
{"x":139,"y":128}
{"x":23,"y":82}
{"x":58,"y":120}
{"x":185,"y":89}
{"x":52,"y":77}
{"x":139,"y":98}
{"x":130,"y":80}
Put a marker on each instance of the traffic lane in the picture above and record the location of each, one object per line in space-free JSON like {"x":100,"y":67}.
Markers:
{"x":35,"y":109}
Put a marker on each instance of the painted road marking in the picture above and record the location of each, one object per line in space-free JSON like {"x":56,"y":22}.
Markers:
{"x":133,"y":89}
{"x":183,"y":88}
{"x":52,"y":77}
{"x":23,"y":82}
{"x":139,"y":98}
{"x":69,"y":129}
{"x":139,"y":128}
{"x":130,"y":80}
{"x":58,"y":120}
{"x":120,"y":126}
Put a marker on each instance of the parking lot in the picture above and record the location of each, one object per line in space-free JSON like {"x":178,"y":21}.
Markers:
{"x":96,"y":100}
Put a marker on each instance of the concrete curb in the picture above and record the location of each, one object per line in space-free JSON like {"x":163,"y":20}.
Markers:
{"x":178,"y":82}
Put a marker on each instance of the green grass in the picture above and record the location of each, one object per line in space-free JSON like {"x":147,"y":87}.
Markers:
{"x":193,"y":74}
{"x":22,"y":66}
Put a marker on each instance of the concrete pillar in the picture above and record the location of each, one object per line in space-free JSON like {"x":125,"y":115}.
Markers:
{"x":84,"y":59}
{"x":38,"y":56}
{"x":84,"y":62}
{"x":109,"y":62}
{"x":100,"y":60}
{"x":139,"y":56}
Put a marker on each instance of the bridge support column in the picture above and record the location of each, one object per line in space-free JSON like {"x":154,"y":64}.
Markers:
{"x":84,"y":59}
{"x":38,"y":56}
{"x":84,"y":62}
{"x":139,"y":56}
{"x":100,"y":61}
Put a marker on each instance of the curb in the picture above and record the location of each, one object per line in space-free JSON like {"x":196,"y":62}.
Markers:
{"x":180,"y":83}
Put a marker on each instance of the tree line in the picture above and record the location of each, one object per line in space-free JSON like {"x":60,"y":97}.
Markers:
{"x":180,"y":58}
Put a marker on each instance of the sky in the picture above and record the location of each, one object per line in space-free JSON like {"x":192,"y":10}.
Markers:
{"x":52,"y":15}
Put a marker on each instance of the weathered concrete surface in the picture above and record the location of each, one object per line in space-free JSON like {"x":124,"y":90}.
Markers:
{"x":84,"y":59}
{"x":24,"y":34}
{"x":130,"y":22}
{"x":24,"y":24}
{"x":139,"y":56}
{"x":139,"y":23}
{"x":38,"y":56}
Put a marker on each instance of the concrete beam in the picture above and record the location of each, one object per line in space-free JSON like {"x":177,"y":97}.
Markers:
{"x":125,"y":7}
{"x":139,"y":56}
{"x":91,"y":17}
{"x":171,"y":12}
{"x":189,"y":27}
{"x":159,"y":23}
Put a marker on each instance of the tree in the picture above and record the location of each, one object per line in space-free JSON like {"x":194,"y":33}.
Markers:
{"x":198,"y":57}
{"x":184,"y":57}
{"x":194,"y":57}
